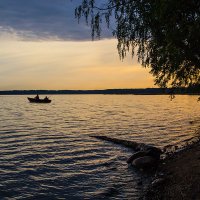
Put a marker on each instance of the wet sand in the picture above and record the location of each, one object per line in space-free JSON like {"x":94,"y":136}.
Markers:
{"x":180,"y":176}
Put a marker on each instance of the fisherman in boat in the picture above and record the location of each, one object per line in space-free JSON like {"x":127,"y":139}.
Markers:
{"x":37,"y":97}
{"x":46,"y":98}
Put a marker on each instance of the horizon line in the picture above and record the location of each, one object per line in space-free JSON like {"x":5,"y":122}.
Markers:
{"x":80,"y":89}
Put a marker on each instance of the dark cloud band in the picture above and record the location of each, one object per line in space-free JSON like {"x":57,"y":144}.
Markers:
{"x":43,"y":20}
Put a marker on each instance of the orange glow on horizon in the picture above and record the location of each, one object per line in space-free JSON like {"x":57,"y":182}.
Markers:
{"x":68,"y":65}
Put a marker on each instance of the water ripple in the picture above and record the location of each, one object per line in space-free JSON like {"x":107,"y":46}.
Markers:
{"x":47,"y":152}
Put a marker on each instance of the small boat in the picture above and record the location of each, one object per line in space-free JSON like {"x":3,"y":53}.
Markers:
{"x":34,"y":100}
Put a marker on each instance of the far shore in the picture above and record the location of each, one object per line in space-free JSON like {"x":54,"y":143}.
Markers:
{"x":125,"y":91}
{"x":179,"y":176}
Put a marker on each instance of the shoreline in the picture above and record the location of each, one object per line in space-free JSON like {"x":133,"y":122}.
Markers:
{"x":178,"y":176}
{"x":116,"y":91}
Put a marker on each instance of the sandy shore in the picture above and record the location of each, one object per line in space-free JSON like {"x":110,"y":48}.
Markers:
{"x":179,"y":177}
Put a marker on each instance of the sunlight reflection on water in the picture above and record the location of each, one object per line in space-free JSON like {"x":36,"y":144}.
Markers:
{"x":46,"y":151}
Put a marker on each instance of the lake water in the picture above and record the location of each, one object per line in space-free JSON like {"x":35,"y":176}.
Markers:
{"x":47,"y":152}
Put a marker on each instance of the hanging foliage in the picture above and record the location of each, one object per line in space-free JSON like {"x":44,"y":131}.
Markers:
{"x":165,"y":34}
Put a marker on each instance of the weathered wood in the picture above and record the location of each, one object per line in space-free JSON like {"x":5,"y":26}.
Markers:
{"x":131,"y":144}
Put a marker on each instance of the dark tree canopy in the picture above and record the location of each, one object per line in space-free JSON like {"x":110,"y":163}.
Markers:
{"x":164,"y":33}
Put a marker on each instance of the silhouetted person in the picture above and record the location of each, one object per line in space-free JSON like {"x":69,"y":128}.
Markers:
{"x":171,"y":93}
{"x":37,"y":97}
{"x":46,"y":98}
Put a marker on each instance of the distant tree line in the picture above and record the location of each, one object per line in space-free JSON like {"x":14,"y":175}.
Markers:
{"x":146,"y":91}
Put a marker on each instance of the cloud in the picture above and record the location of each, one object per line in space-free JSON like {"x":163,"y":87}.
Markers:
{"x":43,"y":20}
{"x":68,"y":65}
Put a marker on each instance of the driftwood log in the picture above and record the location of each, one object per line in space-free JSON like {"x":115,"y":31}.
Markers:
{"x":127,"y":143}
{"x":147,"y":156}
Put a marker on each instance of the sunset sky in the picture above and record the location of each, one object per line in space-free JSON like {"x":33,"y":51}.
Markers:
{"x":43,"y":47}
